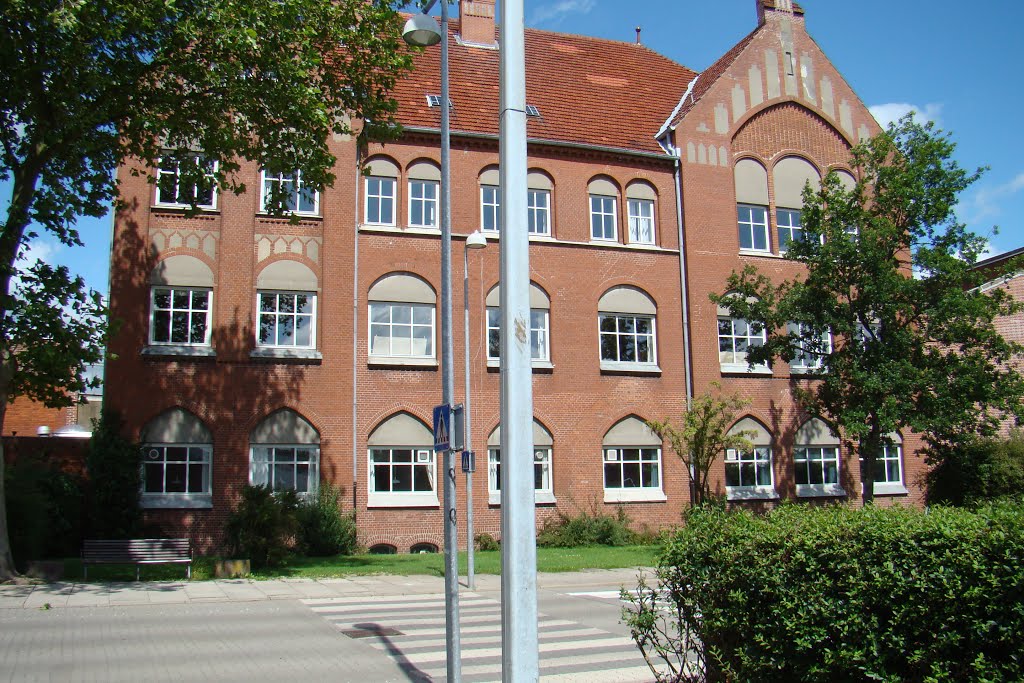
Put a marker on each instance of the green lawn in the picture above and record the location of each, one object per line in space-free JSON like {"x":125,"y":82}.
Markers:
{"x":548,"y":560}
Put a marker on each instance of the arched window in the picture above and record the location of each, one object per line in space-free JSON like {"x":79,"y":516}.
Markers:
{"x":888,"y":474}
{"x":180,"y":306}
{"x":424,"y":181}
{"x":381,"y":183}
{"x":401,"y":320}
{"x":402,"y":470}
{"x":640,"y":198}
{"x":383,"y":549}
{"x":626,"y":324}
{"x":538,"y":203}
{"x":604,"y":209}
{"x":632,"y":463}
{"x":791,"y":175}
{"x":540,"y":308}
{"x":177,"y":460}
{"x":490,"y":200}
{"x":543,"y":490}
{"x":285,"y":454}
{"x":816,"y":460}
{"x":286,"y":300}
{"x":752,"y":205}
{"x":423,"y":549}
{"x":748,"y":471}
{"x":735,"y":337}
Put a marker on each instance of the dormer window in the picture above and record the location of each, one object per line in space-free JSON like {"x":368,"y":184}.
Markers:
{"x":435,"y":101}
{"x":532,"y":110}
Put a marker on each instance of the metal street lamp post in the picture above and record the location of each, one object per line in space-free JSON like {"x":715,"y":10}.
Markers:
{"x":475,"y":241}
{"x":421,"y":30}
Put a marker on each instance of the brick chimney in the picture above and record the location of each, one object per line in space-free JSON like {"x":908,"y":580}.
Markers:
{"x":477,"y":21}
{"x":780,"y":6}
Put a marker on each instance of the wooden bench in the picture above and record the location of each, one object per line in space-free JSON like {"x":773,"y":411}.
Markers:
{"x":138,"y":551}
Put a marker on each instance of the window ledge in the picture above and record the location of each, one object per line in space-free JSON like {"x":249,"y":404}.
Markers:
{"x":891,"y":490}
{"x":751,"y":493}
{"x":819,"y":491}
{"x":421,"y":230}
{"x":182,"y":208}
{"x":494,"y":363}
{"x":398,"y":361}
{"x":634,"y":496}
{"x":183,"y":350}
{"x":173,"y":501}
{"x":744,"y":369}
{"x":402,"y":500}
{"x":539,"y":498}
{"x":761,"y":254}
{"x":534,"y":237}
{"x":290,"y":215}
{"x":629,"y":368}
{"x":642,"y":246}
{"x":806,"y":372}
{"x":274,"y":353}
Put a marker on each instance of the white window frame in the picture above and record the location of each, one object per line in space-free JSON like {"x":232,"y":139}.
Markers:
{"x":543,"y":493}
{"x":804,"y":461}
{"x":264,"y":461}
{"x":806,"y":362}
{"x":618,"y":334}
{"x":177,"y":499}
{"x":760,"y":457}
{"x":601,"y":214}
{"x":411,"y":325}
{"x":754,"y":227}
{"x":194,"y":314}
{"x":164,"y":171}
{"x":788,"y":231}
{"x":540,"y":324}
{"x":428,"y":205}
{"x":490,"y":206}
{"x":739,"y":364}
{"x":421,"y":456}
{"x":294,"y":177}
{"x":613,"y":456}
{"x":641,"y":221}
{"x":385,"y":201}
{"x":887,"y":486}
{"x":538,"y":212}
{"x":278,"y":315}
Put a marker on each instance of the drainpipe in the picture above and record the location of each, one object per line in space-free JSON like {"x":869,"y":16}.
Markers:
{"x":681,"y":231}
{"x":355,"y":336}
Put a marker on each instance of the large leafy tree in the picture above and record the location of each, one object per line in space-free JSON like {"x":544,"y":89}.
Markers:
{"x":86,"y":84}
{"x":888,"y":302}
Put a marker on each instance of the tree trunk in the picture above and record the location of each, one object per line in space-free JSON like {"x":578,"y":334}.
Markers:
{"x":869,"y":446}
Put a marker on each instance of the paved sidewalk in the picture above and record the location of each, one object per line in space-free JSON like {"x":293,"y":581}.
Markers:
{"x":69,"y":594}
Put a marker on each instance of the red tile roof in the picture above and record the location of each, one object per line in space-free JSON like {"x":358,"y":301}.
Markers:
{"x":588,"y":90}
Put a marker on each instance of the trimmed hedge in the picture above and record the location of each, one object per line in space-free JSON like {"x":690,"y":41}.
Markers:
{"x":842,"y":594}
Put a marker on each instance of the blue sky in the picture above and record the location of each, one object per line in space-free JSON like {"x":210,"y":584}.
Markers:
{"x":950,"y":60}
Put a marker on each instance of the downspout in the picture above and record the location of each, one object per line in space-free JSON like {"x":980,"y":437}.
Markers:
{"x":684,"y":290}
{"x":355,"y":335}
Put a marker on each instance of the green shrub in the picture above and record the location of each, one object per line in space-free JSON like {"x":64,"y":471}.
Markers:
{"x":44,"y":511}
{"x":485,"y":543}
{"x":977,"y":471}
{"x":263,"y":527}
{"x":323,"y":531}
{"x":115,"y":479}
{"x":839,"y":594}
{"x":585,"y":529}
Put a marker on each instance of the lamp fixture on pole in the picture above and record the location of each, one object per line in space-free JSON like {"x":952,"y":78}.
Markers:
{"x":421,"y":30}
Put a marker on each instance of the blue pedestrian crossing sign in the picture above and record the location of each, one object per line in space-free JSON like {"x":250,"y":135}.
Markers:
{"x":442,"y":427}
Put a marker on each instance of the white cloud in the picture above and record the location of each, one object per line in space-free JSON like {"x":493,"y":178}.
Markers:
{"x":988,"y":201}
{"x":554,"y":12}
{"x":892,"y":111}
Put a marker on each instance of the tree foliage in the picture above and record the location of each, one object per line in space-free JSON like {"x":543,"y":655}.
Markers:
{"x":889,"y":278}
{"x":971,"y":472}
{"x":703,"y":436}
{"x":86,"y":84}
{"x":113,"y":467}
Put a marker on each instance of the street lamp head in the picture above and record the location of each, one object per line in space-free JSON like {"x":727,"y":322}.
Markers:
{"x":421,"y":31}
{"x":476,"y":240}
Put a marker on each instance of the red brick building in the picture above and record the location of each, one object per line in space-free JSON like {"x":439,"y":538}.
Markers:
{"x":258,"y":350}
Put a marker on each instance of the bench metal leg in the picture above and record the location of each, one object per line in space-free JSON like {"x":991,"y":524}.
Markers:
{"x":137,"y":567}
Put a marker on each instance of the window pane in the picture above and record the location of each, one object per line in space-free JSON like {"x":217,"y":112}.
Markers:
{"x":612,"y":475}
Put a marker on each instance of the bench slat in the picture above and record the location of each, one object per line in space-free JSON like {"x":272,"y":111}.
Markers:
{"x":137,"y":551}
